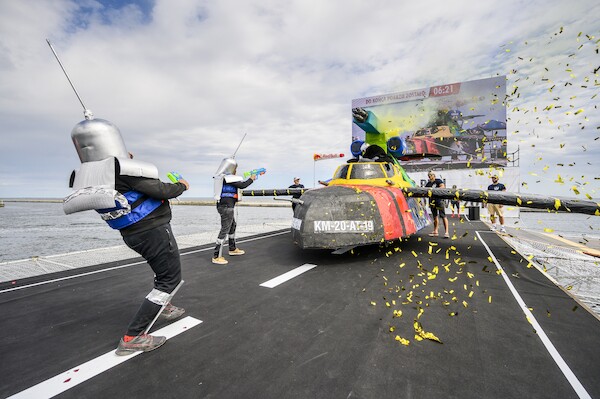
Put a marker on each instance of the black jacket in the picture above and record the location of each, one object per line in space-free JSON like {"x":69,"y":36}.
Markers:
{"x":152,"y":188}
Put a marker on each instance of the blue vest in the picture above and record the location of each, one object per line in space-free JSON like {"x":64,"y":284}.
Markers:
{"x":138,"y":213}
{"x":228,"y":191}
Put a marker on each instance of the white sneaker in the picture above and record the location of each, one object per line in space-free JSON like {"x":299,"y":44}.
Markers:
{"x":493,"y":227}
{"x":502,"y":229}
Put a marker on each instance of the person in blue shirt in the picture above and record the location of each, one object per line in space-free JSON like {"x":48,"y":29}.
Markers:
{"x":455,"y":205}
{"x":496,"y":209}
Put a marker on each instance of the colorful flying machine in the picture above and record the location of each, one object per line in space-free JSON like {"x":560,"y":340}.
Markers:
{"x":372,"y":200}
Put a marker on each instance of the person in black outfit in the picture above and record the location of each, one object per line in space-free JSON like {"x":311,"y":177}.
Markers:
{"x":153,"y":239}
{"x":437,"y":205}
{"x":296,"y":196}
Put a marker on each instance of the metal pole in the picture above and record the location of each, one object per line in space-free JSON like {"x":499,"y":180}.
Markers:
{"x":85,"y":110}
{"x":238,"y":147}
{"x":163,"y":307}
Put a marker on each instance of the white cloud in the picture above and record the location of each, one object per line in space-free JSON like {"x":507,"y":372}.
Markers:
{"x":184,"y":80}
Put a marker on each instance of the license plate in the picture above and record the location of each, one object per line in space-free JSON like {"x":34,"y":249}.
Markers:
{"x":343,"y":226}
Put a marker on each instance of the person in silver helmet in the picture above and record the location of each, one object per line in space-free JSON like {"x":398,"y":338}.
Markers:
{"x":129,"y":196}
{"x":228,"y":188}
{"x":152,"y":238}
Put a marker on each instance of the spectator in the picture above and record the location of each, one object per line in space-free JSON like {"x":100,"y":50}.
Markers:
{"x":496,"y":209}
{"x":296,"y":196}
{"x":455,"y":205}
{"x":437,"y":205}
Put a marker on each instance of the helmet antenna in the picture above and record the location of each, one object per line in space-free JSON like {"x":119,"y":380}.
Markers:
{"x":238,"y":147}
{"x":86,"y":112}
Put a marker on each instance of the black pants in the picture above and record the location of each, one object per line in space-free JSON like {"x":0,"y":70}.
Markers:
{"x":159,"y":248}
{"x":228,"y":224}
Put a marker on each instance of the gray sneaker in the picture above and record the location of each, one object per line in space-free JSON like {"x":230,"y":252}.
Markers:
{"x":171,"y":312}
{"x":144,"y":343}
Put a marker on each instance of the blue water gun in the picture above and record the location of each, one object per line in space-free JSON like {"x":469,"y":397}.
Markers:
{"x":174,"y":176}
{"x":256,"y":172}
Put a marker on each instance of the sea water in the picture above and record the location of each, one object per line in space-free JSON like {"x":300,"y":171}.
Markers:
{"x":29,"y":229}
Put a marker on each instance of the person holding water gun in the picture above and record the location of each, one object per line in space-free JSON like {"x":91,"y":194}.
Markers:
{"x":227,"y":192}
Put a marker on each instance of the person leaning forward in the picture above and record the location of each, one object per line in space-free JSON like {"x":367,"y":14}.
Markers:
{"x":437,"y":206}
{"x":130,"y":198}
{"x":152,"y":238}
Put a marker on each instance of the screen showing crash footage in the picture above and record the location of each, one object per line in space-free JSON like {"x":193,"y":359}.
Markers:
{"x":460,"y":125}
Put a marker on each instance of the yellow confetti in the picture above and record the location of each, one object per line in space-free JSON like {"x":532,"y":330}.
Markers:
{"x":556,"y":203}
{"x":403,"y":341}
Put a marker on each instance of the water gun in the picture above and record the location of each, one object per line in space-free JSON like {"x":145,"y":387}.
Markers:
{"x":174,"y":176}
{"x":256,"y":172}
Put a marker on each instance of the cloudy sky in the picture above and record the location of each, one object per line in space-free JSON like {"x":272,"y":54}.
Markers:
{"x":184,"y":80}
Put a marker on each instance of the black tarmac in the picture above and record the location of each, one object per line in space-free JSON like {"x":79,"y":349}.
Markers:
{"x":346,"y":328}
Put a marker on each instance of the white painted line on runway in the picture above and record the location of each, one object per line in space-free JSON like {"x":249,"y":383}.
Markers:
{"x":122,"y":266}
{"x":274,"y":282}
{"x":568,"y":373}
{"x":87,"y":370}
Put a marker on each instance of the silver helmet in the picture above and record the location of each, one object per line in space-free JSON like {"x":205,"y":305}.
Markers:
{"x":227,"y":167}
{"x":98,"y":139}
